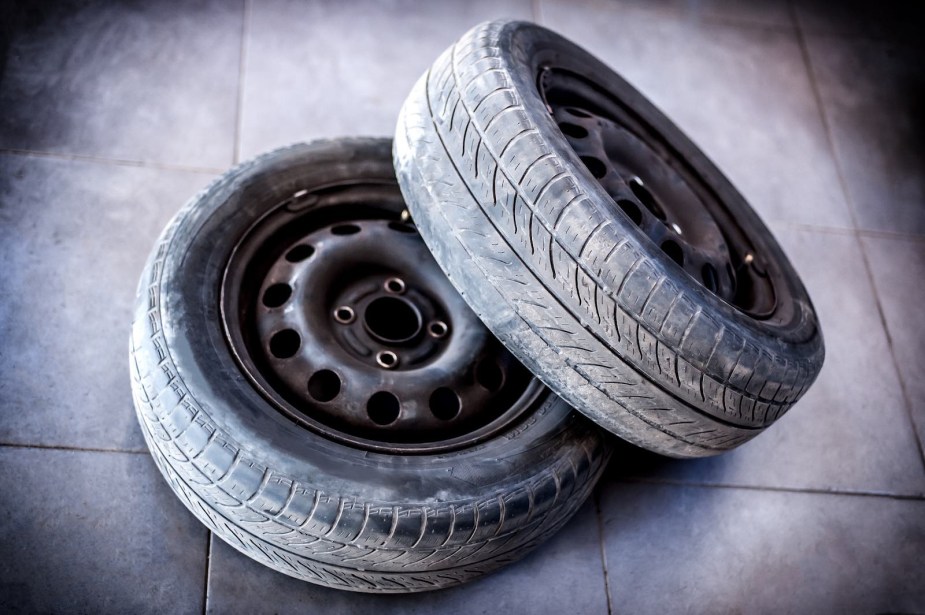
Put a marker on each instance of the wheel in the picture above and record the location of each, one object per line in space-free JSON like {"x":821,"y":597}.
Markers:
{"x":318,"y":395}
{"x":601,"y":246}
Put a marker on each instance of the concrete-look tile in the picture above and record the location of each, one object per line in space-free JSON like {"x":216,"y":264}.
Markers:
{"x":706,"y":550}
{"x":134,"y":80}
{"x":74,"y":237}
{"x":742,"y":94}
{"x":329,"y":69}
{"x":564,"y":575}
{"x":85,"y":532}
{"x":872,"y":93}
{"x":898,"y":267}
{"x":756,"y":13}
{"x":851,"y":430}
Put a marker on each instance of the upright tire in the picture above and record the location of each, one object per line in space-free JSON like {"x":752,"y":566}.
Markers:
{"x":305,"y":478}
{"x":601,"y":246}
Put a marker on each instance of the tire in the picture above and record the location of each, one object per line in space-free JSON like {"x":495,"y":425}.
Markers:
{"x":295,"y":497}
{"x":554,"y":250}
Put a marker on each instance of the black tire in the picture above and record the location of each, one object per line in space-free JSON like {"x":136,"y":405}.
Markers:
{"x":567,"y":280}
{"x":300,"y":502}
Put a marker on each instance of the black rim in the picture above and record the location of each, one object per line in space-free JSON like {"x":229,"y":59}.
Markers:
{"x":661,"y":194}
{"x":338,"y":314}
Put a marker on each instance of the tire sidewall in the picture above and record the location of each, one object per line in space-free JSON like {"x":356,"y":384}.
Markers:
{"x":188,"y":275}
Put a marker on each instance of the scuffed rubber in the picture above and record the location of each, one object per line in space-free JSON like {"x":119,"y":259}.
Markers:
{"x":601,"y":316}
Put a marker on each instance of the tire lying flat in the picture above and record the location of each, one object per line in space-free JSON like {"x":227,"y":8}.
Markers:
{"x":303,"y":503}
{"x":568,"y":281}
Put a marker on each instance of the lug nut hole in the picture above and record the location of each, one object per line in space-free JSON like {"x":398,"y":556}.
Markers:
{"x":344,"y":315}
{"x":395,"y":285}
{"x":437,"y":329}
{"x":387,"y":359}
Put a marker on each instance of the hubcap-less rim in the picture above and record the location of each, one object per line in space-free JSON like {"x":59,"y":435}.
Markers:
{"x":662,"y":196}
{"x":343,"y":320}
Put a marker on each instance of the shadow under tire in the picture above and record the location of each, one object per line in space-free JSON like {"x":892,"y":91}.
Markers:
{"x":601,"y":246}
{"x":299,"y":493}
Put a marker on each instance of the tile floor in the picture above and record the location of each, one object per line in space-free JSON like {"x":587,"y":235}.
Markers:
{"x":113,"y":114}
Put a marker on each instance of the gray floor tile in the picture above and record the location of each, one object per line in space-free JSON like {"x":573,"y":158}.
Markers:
{"x":563,"y":576}
{"x":851,"y":430}
{"x":705,"y":550}
{"x":755,"y":12}
{"x":872,"y":94}
{"x":154,"y":81}
{"x":85,"y":532}
{"x":330,"y":69}
{"x":897,"y":19}
{"x":74,"y":237}
{"x":898,"y":267}
{"x":741,"y":93}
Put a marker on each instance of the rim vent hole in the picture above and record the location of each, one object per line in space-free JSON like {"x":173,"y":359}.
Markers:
{"x":573,"y":130}
{"x":674,"y":251}
{"x":285,"y":343}
{"x":345,"y":229}
{"x":631,"y":210}
{"x":276,"y":295}
{"x":708,"y":274}
{"x":578,"y":112}
{"x":383,"y":408}
{"x":299,"y":253}
{"x":489,"y":374}
{"x":324,"y":385}
{"x":598,"y":169}
{"x":403,"y":227}
{"x":646,"y":198}
{"x":445,"y":404}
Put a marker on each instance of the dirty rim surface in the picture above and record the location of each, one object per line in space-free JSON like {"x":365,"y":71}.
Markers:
{"x":340,"y":317}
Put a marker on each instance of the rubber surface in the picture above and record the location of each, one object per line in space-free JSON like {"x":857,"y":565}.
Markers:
{"x":288,"y":498}
{"x":592,"y":307}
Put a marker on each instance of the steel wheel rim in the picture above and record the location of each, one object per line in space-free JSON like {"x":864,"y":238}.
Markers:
{"x":369,"y":347}
{"x":662,"y":195}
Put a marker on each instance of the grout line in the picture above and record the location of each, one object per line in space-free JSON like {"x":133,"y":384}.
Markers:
{"x":913,"y":237}
{"x":804,"y":50}
{"x":114,"y":161}
{"x":840,"y":492}
{"x":600,"y":542}
{"x":239,"y":103}
{"x":205,"y":590}
{"x":80,"y":449}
